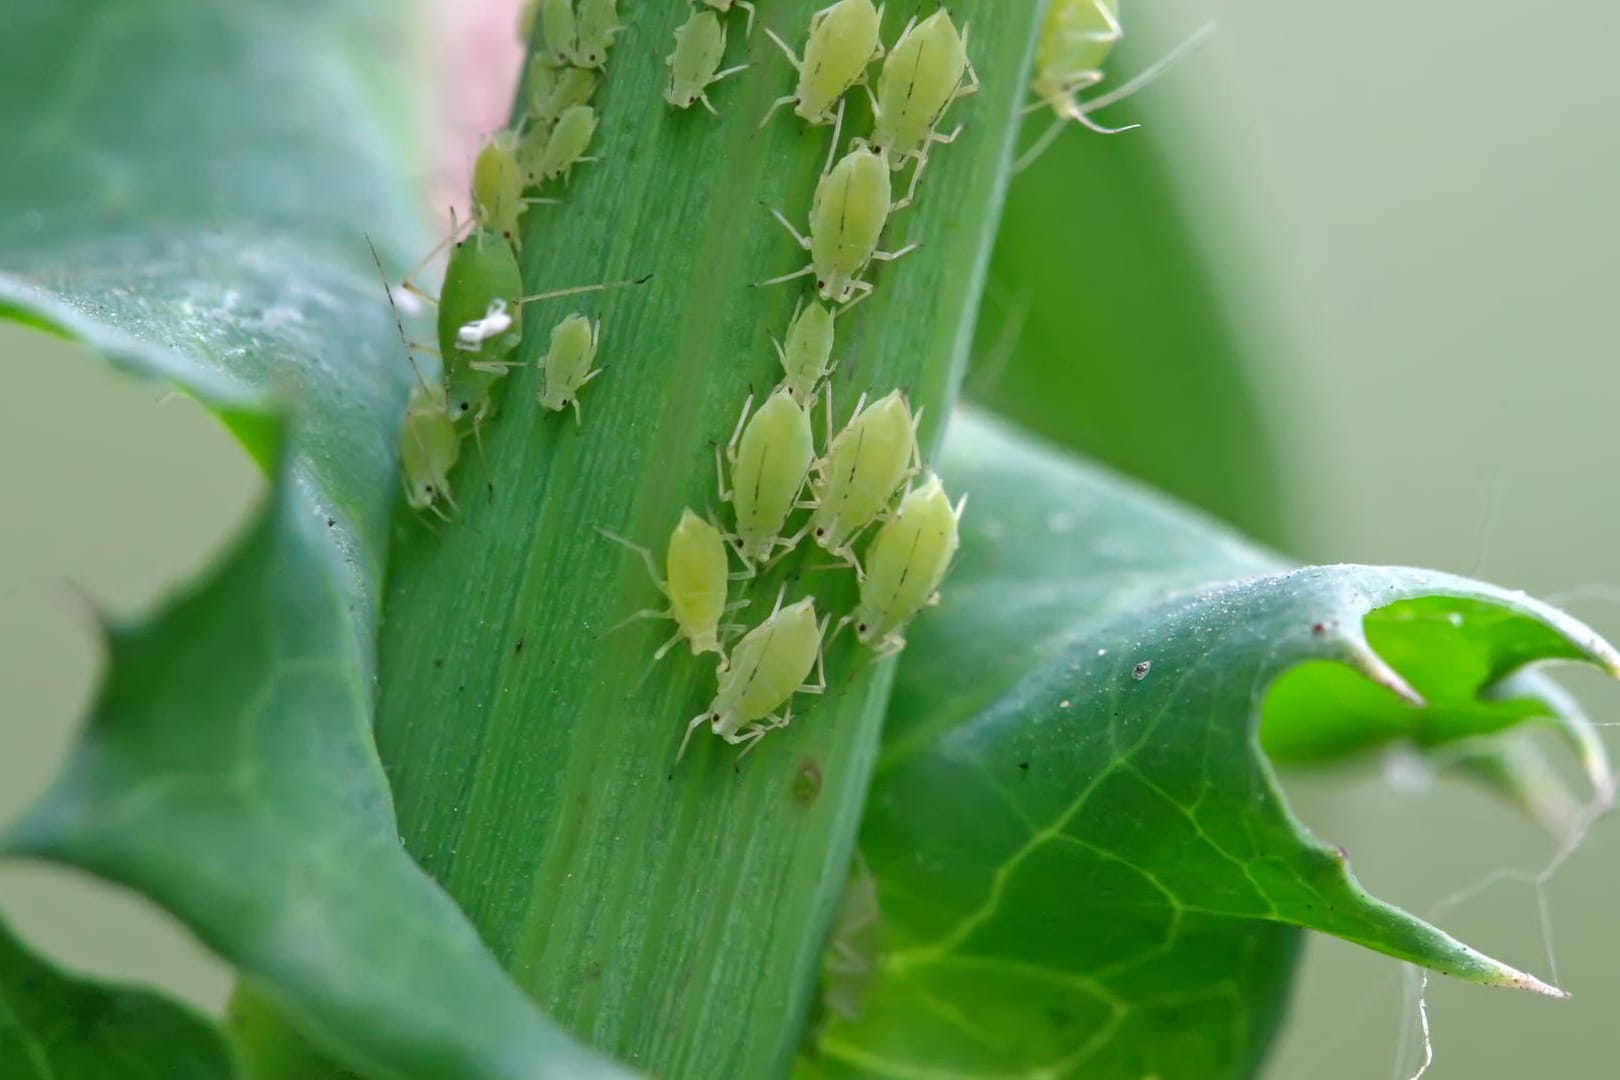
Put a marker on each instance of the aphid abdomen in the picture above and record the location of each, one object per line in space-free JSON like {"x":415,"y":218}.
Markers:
{"x":769,"y":467}
{"x":481,"y":269}
{"x":790,"y":642}
{"x":905,"y":564}
{"x":865,"y":465}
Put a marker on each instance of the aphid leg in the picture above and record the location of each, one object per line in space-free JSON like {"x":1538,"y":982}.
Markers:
{"x":889,"y":646}
{"x":720,"y":481}
{"x":864,"y":288}
{"x":663,"y":650}
{"x":637,"y":616}
{"x":832,"y":148}
{"x":746,"y":6}
{"x":808,"y":270}
{"x":820,"y":685}
{"x":970,"y":85}
{"x":890,"y":256}
{"x":1040,"y":146}
{"x":697,"y":722}
{"x":802,"y":240}
{"x":1151,"y":72}
{"x":646,"y":557}
{"x":749,"y":737}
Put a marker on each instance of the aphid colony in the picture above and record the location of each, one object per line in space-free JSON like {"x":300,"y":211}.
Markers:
{"x":866,"y":486}
{"x":480,"y":302}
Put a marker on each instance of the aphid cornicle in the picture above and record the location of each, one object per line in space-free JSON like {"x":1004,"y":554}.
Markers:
{"x":865,"y":464}
{"x":905,"y":563}
{"x":728,"y":5}
{"x":768,"y":666}
{"x":697,"y":578}
{"x":807,"y":356}
{"x":595,"y":29}
{"x":927,"y":69}
{"x":770,"y":455}
{"x":843,"y":42}
{"x":700,"y":44}
{"x":847,"y":216}
{"x":559,"y":28}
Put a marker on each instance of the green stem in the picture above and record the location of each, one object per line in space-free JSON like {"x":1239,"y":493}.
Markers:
{"x":673,"y":916}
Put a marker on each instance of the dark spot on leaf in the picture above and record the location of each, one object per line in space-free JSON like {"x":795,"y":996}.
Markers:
{"x":1024,"y":765}
{"x":330,"y":522}
{"x":518,"y":648}
{"x":1319,"y":628}
{"x":806,"y":782}
{"x":439,"y":663}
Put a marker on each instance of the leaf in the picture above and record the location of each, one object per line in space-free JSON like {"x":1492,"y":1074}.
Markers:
{"x":55,"y":1025}
{"x":192,"y":188}
{"x":673,"y":913}
{"x":1084,"y":864}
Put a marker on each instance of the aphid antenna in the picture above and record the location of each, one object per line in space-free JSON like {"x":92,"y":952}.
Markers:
{"x":1153,"y":71}
{"x":407,"y":283}
{"x":578,"y":290}
{"x":399,"y":323}
{"x":697,"y":722}
{"x":646,"y":557}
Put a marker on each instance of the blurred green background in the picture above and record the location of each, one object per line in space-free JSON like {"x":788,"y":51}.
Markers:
{"x":1401,"y":226}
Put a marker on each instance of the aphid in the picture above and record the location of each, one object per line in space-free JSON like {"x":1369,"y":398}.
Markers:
{"x":696,"y":584}
{"x":843,"y":43}
{"x":567,"y":363}
{"x":728,"y":5}
{"x":700,"y":44}
{"x":552,"y":90}
{"x":497,"y":186}
{"x":806,"y":359}
{"x":430,"y":446}
{"x":568,"y":142}
{"x":525,"y":23}
{"x":1076,"y":39}
{"x":768,"y":666}
{"x":865,"y":464}
{"x":597,"y":26}
{"x":770,"y":456}
{"x":429,"y":442}
{"x":847,"y":216}
{"x":927,"y":69}
{"x":560,"y":31}
{"x":905,"y":563}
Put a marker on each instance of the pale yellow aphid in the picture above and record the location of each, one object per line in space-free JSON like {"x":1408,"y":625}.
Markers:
{"x":768,"y":666}
{"x":559,"y":28}
{"x":926,"y":71}
{"x":567,"y":363}
{"x":698,"y":576}
{"x":905,"y":563}
{"x":843,"y":43}
{"x":552,"y":91}
{"x":847,"y":216}
{"x":865,"y":465}
{"x":597,"y":26}
{"x":700,"y":44}
{"x":728,"y":5}
{"x":807,"y":357}
{"x":568,"y":142}
{"x":770,"y":455}
{"x":1076,"y":38}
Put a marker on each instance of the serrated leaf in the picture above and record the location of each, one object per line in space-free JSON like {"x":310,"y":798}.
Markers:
{"x":56,"y":1025}
{"x":189,"y":193}
{"x":1084,"y":864}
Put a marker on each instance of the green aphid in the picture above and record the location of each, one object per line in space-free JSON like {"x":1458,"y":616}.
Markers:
{"x":843,"y":43}
{"x":551,"y":91}
{"x":598,"y":24}
{"x":926,"y":71}
{"x":866,"y":463}
{"x":567,"y":364}
{"x":770,"y":455}
{"x":569,"y":140}
{"x":723,"y":6}
{"x":768,"y":666}
{"x":698,"y":576}
{"x":430,"y":446}
{"x":700,"y":45}
{"x":807,"y":356}
{"x":497,"y":187}
{"x":905,"y":564}
{"x":559,"y":29}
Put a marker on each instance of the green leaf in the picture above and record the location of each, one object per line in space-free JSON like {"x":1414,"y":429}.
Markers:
{"x":1083,"y":860}
{"x":190,"y":193}
{"x":55,"y":1025}
{"x":675,"y":914}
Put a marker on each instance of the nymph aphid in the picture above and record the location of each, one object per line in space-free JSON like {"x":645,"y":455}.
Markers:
{"x":768,"y":666}
{"x":697,"y":578}
{"x":770,"y":455}
{"x":551,"y":91}
{"x":865,"y":464}
{"x":927,"y":69}
{"x":905,"y":563}
{"x":559,"y":29}
{"x":700,"y":45}
{"x":842,"y":45}
{"x":807,"y":356}
{"x":847,"y":216}
{"x":567,"y":363}
{"x":596,"y":27}
{"x":567,"y":143}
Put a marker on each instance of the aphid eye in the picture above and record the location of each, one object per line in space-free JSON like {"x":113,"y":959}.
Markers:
{"x":820,"y":284}
{"x":860,"y":628}
{"x":821,"y":532}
